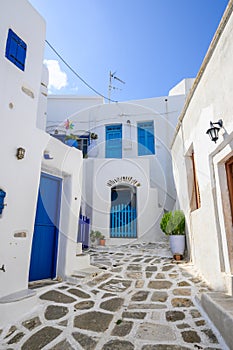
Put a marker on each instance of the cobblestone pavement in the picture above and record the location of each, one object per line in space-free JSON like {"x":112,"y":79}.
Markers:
{"x":142,"y":300}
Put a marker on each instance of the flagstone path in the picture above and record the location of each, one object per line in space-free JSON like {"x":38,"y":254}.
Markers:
{"x":142,"y":300}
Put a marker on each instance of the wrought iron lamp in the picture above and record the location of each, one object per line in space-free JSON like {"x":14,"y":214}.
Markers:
{"x":214,"y":130}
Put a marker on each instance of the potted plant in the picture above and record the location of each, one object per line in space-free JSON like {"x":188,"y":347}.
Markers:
{"x":102,"y":240}
{"x":97,"y":237}
{"x":173,"y":225}
{"x":94,"y":136}
{"x":92,"y":236}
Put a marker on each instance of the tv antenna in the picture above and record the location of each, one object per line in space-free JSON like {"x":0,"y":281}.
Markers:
{"x":113,"y":76}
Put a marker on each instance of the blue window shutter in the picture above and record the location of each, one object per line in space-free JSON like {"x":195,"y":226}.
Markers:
{"x":146,"y":145}
{"x":16,"y":50}
{"x":13,"y":48}
{"x":114,"y":141}
{"x":21,"y":53}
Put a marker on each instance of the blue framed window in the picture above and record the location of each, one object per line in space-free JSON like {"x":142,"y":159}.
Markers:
{"x":113,"y":147}
{"x":146,"y":140}
{"x":16,"y":50}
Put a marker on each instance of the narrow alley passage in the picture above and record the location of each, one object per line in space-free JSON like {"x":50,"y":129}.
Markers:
{"x":141,"y":300}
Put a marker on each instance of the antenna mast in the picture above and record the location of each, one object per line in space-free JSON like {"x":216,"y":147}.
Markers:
{"x":110,"y":86}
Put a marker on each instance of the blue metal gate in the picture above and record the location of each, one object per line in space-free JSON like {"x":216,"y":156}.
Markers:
{"x":123,"y":222}
{"x":45,"y":237}
{"x":83,"y":230}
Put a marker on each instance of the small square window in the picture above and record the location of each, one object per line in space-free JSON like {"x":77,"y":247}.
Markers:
{"x":16,"y":50}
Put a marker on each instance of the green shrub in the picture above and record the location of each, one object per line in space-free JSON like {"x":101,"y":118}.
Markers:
{"x":178,"y":223}
{"x":165,"y":223}
{"x":96,"y":235}
{"x":173,"y":223}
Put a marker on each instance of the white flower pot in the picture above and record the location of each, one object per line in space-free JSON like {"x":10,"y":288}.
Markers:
{"x":177,"y":244}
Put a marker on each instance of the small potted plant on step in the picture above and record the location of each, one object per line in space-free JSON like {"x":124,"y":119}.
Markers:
{"x":173,"y":225}
{"x":102,"y":240}
{"x":97,"y":238}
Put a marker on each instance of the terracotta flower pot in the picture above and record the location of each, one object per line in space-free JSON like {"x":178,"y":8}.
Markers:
{"x":102,"y":242}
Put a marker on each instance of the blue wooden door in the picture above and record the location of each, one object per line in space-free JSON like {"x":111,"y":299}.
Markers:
{"x":45,"y":237}
{"x":114,"y":141}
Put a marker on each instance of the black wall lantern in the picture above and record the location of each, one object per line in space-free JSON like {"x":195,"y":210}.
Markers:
{"x":214,"y":130}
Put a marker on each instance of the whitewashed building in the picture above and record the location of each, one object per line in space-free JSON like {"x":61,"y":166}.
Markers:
{"x":203,"y":169}
{"x":40,"y":178}
{"x":127,"y":168}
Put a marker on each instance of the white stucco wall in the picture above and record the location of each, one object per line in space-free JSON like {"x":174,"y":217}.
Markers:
{"x":158,"y":185}
{"x":66,"y":163}
{"x":61,"y":107}
{"x":20,"y":116}
{"x":19,"y":178}
{"x":163,"y":111}
{"x":42,"y":103}
{"x":207,"y":226}
{"x":97,"y":196}
{"x":182,"y":88}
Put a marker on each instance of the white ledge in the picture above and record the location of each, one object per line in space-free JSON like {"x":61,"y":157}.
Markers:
{"x":22,"y":294}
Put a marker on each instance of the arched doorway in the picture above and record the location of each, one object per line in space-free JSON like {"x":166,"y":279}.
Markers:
{"x":123,"y":216}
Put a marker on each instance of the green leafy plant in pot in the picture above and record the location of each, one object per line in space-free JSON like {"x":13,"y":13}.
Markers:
{"x":97,"y":238}
{"x":173,"y":225}
{"x":102,"y":240}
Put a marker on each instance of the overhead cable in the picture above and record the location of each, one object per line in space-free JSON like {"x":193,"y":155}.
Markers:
{"x":75,"y":73}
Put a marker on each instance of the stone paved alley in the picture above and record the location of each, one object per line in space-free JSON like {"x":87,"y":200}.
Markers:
{"x":141,"y":300}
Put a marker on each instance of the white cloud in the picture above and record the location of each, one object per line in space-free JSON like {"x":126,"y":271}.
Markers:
{"x":57,"y":78}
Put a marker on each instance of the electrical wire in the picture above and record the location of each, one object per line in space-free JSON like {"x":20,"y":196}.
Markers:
{"x":76,"y":74}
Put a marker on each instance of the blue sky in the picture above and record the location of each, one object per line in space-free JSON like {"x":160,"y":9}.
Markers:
{"x":151,"y":44}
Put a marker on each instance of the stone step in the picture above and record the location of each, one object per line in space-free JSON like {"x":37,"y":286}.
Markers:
{"x":84,"y":274}
{"x":82,"y":261}
{"x":219,"y":308}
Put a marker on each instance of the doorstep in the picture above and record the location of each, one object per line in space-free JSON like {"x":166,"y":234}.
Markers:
{"x":84,"y":274}
{"x":219,"y":308}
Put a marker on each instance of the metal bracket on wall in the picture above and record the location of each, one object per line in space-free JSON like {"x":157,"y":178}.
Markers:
{"x":3,"y":268}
